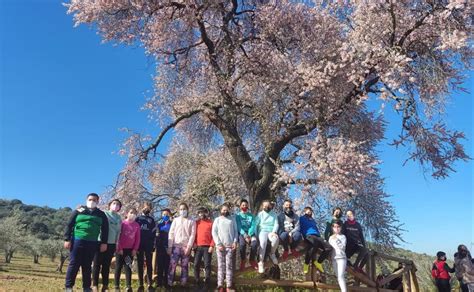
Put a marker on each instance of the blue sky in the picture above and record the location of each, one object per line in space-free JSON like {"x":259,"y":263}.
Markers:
{"x":64,"y":96}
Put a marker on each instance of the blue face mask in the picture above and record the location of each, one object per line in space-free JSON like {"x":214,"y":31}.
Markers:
{"x":165,"y":218}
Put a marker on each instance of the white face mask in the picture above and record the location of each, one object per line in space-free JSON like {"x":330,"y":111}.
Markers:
{"x":131,"y":217}
{"x":115,"y":207}
{"x":91,"y":204}
{"x":183,"y":213}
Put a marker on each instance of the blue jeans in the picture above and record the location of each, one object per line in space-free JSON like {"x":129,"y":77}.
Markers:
{"x":81,"y":256}
{"x":285,"y":240}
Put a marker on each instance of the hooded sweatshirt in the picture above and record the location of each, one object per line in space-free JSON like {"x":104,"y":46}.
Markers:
{"x":224,"y":231}
{"x":245,"y":223}
{"x":182,"y":233}
{"x":353,"y":232}
{"x":115,"y":224}
{"x":308,"y":226}
{"x":266,"y":222}
{"x":129,"y":236}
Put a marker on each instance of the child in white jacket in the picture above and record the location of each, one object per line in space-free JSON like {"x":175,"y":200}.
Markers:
{"x":338,"y":243}
{"x":180,"y":242}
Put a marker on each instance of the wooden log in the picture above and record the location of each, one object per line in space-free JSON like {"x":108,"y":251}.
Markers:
{"x":304,"y":284}
{"x":392,"y":258}
{"x":373,"y":267}
{"x":363,"y":278}
{"x":413,"y":280}
{"x":392,"y":276}
{"x":406,"y":279}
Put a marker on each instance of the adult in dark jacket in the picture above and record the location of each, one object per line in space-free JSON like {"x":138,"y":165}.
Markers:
{"x":289,"y":229}
{"x":355,"y":240}
{"x":85,"y":226}
{"x":162,"y":259}
{"x":147,"y":242}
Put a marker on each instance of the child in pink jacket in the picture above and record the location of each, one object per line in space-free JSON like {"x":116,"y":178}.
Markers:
{"x":127,"y":247}
{"x":180,"y":242}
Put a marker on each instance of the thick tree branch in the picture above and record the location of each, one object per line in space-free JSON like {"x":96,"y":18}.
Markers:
{"x":157,"y":142}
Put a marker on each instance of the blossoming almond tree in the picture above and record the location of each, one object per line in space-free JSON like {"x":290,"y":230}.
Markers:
{"x":284,"y":86}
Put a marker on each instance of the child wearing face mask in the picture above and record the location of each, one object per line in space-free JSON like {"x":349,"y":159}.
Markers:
{"x":289,"y":229}
{"x":266,"y":224}
{"x":87,"y":228}
{"x":311,"y":235}
{"x":180,"y":243}
{"x":336,"y":216}
{"x":204,"y":245}
{"x":147,"y":242}
{"x":355,"y":241}
{"x":162,"y":259}
{"x":246,"y":227}
{"x":102,"y":260}
{"x":225,"y":235}
{"x":339,"y":260}
{"x":127,"y":247}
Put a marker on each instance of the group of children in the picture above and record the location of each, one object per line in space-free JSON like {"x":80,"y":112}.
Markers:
{"x":463,"y":268}
{"x":96,"y":236}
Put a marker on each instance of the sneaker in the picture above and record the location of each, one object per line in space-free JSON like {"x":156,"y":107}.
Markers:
{"x":220,"y":289}
{"x":274,"y":259}
{"x":261,"y":268}
{"x":319,"y":266}
{"x":242,"y":265}
{"x":87,"y":290}
{"x":295,"y":253}
{"x":253,"y":264}
{"x":104,"y":289}
{"x":68,"y":289}
{"x":129,"y":289}
{"x":229,"y":289}
{"x":305,"y":268}
{"x":150,"y":288}
{"x":284,"y":256}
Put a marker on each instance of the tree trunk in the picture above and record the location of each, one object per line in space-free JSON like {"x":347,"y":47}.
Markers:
{"x":61,"y":264}
{"x":36,"y":259}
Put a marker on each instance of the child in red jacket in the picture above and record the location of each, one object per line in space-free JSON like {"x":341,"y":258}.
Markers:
{"x":204,"y":245}
{"x":440,"y":272}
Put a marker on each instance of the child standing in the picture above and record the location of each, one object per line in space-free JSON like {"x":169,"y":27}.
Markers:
{"x":162,"y":259}
{"x":339,"y":259}
{"x":204,"y":245}
{"x":225,"y":234}
{"x":102,"y":260}
{"x":147,"y":242}
{"x":440,"y":272}
{"x":127,"y":247}
{"x":180,"y":243}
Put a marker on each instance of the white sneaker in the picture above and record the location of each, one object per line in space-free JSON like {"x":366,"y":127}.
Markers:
{"x":261,"y":268}
{"x":274,"y":259}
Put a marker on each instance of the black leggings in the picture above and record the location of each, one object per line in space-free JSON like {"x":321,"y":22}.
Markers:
{"x":146,"y":256}
{"x":314,"y":243}
{"x":101,"y":266}
{"x":121,"y":261}
{"x":362,"y":251}
{"x":443,"y":285}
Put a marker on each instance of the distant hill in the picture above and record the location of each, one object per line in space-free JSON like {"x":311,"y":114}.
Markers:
{"x":42,"y":222}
